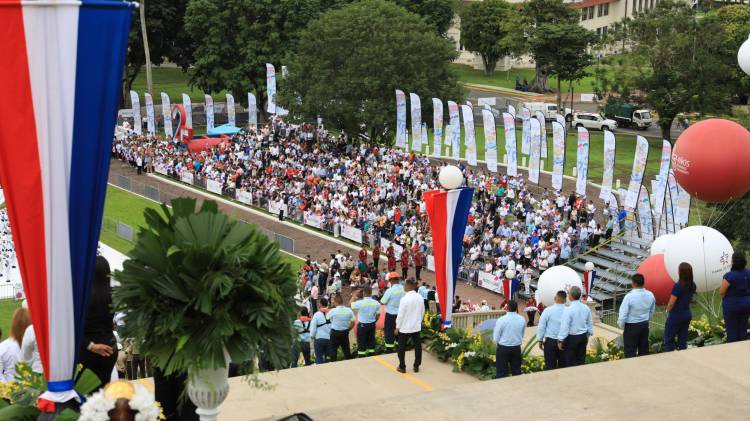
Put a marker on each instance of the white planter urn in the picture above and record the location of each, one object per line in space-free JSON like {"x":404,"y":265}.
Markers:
{"x":207,"y":389}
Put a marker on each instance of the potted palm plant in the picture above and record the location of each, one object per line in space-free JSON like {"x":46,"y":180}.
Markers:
{"x":200,"y":289}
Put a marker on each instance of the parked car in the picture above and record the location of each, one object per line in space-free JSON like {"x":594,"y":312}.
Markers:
{"x":593,"y":121}
{"x":629,"y":115}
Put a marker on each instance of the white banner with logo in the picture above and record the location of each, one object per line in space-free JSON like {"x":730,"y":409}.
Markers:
{"x":437,"y":127}
{"x":455,"y":130}
{"x":271,"y":88}
{"x":509,"y":127}
{"x":166,"y":114}
{"x":352,"y":233}
{"x":313,"y":220}
{"x":209,"y":107}
{"x":188,"y":111}
{"x":636,"y":176}
{"x":400,"y":119}
{"x":525,"y":130}
{"x":535,"y":149}
{"x":512,"y":110}
{"x":645,"y":217}
{"x":160,"y":168}
{"x":136,"y":105}
{"x":186,"y":177}
{"x":543,"y":130}
{"x":582,"y":162}
{"x":491,"y":282}
{"x":683,"y":206}
{"x":431,"y":262}
{"x":608,"y":170}
{"x":469,"y":135}
{"x":416,"y":122}
{"x":230,"y":110}
{"x":663,"y":177}
{"x":244,"y":197}
{"x":252,"y":110}
{"x":490,"y":140}
{"x":150,"y":120}
{"x":213,"y":186}
{"x":558,"y":154}
{"x":276,"y":207}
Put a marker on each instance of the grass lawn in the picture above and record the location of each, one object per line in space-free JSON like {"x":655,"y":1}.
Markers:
{"x":174,"y":82}
{"x":7,"y":307}
{"x":507,"y":79}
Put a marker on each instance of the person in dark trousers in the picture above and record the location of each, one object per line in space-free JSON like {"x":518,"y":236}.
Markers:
{"x":391,"y":299}
{"x":636,"y":310}
{"x":508,"y":335}
{"x":548,"y":330}
{"x":404,"y":263}
{"x":302,"y":342}
{"x":342,"y":320}
{"x":167,"y":391}
{"x":409,"y":325}
{"x":367,"y":314}
{"x":735,"y":298}
{"x":99,"y":348}
{"x":678,"y":309}
{"x":576,"y":327}
{"x":418,"y":264}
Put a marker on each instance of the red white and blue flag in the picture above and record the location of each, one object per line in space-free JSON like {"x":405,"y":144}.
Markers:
{"x":588,"y":281}
{"x":60,"y":79}
{"x":510,"y":286}
{"x":448,"y":211}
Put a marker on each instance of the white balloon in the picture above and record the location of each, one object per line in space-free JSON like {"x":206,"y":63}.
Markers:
{"x":743,"y":56}
{"x":589,"y":266}
{"x":450,"y":177}
{"x":707,"y":250}
{"x":555,"y":279}
{"x":510,"y":273}
{"x":660,"y":245}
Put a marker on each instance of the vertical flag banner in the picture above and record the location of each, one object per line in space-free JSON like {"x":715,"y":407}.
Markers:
{"x":455,"y":124}
{"x":252,"y":110}
{"x":509,"y":126}
{"x":490,"y":140}
{"x":424,"y":140}
{"x":166,"y":114}
{"x":469,"y":135}
{"x":683,"y":207}
{"x":135,"y":102}
{"x":437,"y":127}
{"x":672,"y":197}
{"x":663,"y":177}
{"x":582,"y":162}
{"x":636,"y":176}
{"x":560,"y":119}
{"x":209,"y":108}
{"x":535,"y":150}
{"x":271,"y":88}
{"x":400,"y":119}
{"x":509,"y":286}
{"x":284,"y":72}
{"x":230,"y":110}
{"x":61,"y":82}
{"x":525,"y":130}
{"x":448,"y":212}
{"x":416,"y":122}
{"x":150,"y":121}
{"x":588,"y":283}
{"x":608,"y":170}
{"x":512,"y":110}
{"x":543,"y":132}
{"x":188,"y":105}
{"x":558,"y":154}
{"x":645,"y":217}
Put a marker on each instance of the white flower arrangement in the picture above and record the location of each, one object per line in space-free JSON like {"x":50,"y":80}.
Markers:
{"x":99,"y":404}
{"x":469,"y":354}
{"x":451,"y":345}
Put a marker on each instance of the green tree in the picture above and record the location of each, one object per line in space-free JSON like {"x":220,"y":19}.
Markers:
{"x":351,"y":59}
{"x":571,"y":57}
{"x":439,"y":13}
{"x":735,"y":20}
{"x":490,"y":29}
{"x":735,"y":224}
{"x":167,"y":36}
{"x":678,"y":61}
{"x":539,"y":17}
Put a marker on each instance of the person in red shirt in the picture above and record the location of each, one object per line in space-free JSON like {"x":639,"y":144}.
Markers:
{"x":389,"y":252}
{"x":391,"y":263}
{"x":376,"y":256}
{"x":418,"y":263}
{"x":363,"y":255}
{"x":404,"y":263}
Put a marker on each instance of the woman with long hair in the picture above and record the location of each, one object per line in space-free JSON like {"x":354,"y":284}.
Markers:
{"x":10,"y":349}
{"x":678,"y":309}
{"x":735,"y":298}
{"x":99,"y":348}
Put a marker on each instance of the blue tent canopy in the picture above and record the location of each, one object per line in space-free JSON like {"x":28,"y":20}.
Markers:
{"x":224,"y":129}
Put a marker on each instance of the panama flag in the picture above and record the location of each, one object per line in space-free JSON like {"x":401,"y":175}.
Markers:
{"x":588,"y":281}
{"x":510,"y":286}
{"x":60,"y":79}
{"x":448,"y":211}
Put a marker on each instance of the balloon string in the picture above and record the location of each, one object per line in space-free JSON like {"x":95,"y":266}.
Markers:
{"x":726,"y":212}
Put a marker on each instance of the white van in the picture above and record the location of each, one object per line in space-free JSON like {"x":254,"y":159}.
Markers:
{"x":549,"y":109}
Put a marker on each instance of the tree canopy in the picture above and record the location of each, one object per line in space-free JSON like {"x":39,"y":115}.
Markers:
{"x":735,"y":21}
{"x":490,"y":28}
{"x":351,"y":59}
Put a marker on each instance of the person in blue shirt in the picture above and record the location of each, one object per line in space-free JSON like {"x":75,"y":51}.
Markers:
{"x":320,"y":331}
{"x":735,"y":298}
{"x":342,"y":321}
{"x":575,"y":328}
{"x":678,"y":309}
{"x":302,"y":342}
{"x":636,"y":310}
{"x":368,"y":311}
{"x":424,"y":292}
{"x":621,"y":217}
{"x":508,"y":335}
{"x":391,"y":299}
{"x":547,"y":331}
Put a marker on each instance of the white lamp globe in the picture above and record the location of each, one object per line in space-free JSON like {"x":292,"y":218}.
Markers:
{"x":556,"y":278}
{"x":660,"y":245}
{"x":450,"y":177}
{"x":707,"y":250}
{"x":743,"y":56}
{"x":589,"y":266}
{"x":509,"y":274}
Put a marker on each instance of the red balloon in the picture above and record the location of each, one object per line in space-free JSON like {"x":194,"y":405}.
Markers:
{"x":658,"y":280}
{"x":710,"y":160}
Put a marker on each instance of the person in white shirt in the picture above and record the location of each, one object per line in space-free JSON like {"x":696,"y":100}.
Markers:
{"x":409,"y":325}
{"x":30,"y":352}
{"x":10,"y":349}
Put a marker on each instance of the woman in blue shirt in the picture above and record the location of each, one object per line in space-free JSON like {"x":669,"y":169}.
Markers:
{"x":735,"y":294}
{"x":678,"y":309}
